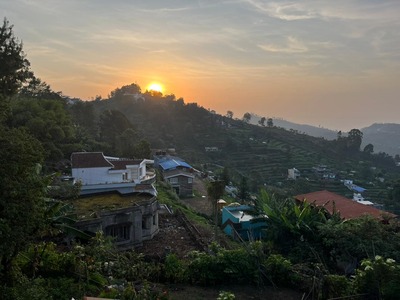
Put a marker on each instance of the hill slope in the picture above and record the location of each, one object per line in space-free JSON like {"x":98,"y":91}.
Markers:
{"x":384,"y":137}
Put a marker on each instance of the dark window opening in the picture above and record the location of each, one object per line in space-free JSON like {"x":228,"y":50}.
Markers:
{"x":120,"y":232}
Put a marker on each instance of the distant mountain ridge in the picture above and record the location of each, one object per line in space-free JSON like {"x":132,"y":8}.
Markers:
{"x":301,"y":128}
{"x":384,"y":136}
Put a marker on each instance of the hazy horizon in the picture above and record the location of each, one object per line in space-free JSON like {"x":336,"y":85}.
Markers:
{"x":333,"y":64}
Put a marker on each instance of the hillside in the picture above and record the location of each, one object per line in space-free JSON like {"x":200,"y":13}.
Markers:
{"x":301,"y":128}
{"x":385,"y":137}
{"x":261,"y":154}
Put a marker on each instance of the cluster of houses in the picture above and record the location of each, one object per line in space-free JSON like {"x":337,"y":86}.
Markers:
{"x":135,"y":218}
{"x":129,"y":222}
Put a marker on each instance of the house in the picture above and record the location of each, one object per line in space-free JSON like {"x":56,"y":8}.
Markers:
{"x":360,"y":199}
{"x":177,"y":173}
{"x":98,"y":173}
{"x":211,"y":149}
{"x":243,"y":222}
{"x":347,"y":208}
{"x":129,"y":219}
{"x":293,"y":173}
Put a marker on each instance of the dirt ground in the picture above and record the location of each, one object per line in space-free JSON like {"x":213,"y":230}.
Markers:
{"x":174,"y":236}
{"x":199,"y":202}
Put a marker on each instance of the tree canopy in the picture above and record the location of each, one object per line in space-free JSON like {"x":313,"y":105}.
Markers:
{"x":15,"y":66}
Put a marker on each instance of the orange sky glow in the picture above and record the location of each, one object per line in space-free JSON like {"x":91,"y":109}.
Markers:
{"x":333,"y":64}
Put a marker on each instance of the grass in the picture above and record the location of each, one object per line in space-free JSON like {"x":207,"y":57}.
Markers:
{"x":88,"y":207}
{"x":167,"y":196}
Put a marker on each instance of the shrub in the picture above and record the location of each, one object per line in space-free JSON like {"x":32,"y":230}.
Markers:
{"x":378,"y":277}
{"x":278,"y":269}
{"x":336,"y":286}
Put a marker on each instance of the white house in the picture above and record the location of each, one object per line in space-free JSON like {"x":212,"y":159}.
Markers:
{"x":293,"y":173}
{"x":98,"y":173}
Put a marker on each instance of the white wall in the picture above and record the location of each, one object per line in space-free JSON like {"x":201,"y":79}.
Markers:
{"x":104,"y":175}
{"x":96,"y":175}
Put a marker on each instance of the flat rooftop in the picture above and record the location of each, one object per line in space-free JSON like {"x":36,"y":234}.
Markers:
{"x":89,"y":207}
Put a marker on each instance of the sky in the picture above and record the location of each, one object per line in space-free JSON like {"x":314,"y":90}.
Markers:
{"x":334,"y":64}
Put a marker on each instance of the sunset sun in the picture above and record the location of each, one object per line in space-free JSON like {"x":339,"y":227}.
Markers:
{"x":155,"y":87}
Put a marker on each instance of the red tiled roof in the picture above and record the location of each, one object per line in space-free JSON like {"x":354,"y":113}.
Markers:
{"x":347,"y":208}
{"x":89,"y":160}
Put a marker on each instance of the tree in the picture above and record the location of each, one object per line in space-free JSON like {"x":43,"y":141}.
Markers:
{"x":369,"y":149}
{"x":229,"y":114}
{"x":39,"y":89}
{"x":15,"y":68}
{"x":112,"y":123}
{"x":354,"y":140}
{"x":243,"y":189}
{"x":262,"y":121}
{"x":246,"y":117}
{"x":270,"y":122}
{"x":22,"y":203}
{"x":130,"y":89}
{"x":215,"y":190}
{"x":225,"y":176}
{"x":142,"y":149}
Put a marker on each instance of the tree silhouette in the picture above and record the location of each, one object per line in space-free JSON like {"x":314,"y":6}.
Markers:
{"x":14,"y":69}
{"x":246,"y":117}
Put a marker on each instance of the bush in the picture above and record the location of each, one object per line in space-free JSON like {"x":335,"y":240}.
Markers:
{"x":174,"y":269}
{"x":278,"y":269}
{"x":380,"y":278}
{"x":336,"y":286}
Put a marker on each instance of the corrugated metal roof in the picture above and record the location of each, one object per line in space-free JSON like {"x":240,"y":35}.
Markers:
{"x":358,"y":189}
{"x":173,"y":164}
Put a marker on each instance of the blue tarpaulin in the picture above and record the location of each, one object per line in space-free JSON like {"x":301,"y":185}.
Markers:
{"x":170,"y":164}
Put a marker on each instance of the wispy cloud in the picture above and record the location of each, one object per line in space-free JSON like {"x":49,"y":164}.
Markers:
{"x":293,"y":45}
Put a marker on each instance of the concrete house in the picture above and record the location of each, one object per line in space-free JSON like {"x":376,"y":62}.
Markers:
{"x":99,"y":173}
{"x":242,"y":222}
{"x":293,"y":173}
{"x":177,"y":173}
{"x":130,"y":220}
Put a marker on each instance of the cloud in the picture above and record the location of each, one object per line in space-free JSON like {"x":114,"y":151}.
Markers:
{"x":293,"y":45}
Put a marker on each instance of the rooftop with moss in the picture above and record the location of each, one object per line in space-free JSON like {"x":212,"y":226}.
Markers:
{"x":90,"y":207}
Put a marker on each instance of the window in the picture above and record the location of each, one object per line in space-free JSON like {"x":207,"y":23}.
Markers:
{"x":190,"y":180}
{"x":154,"y":220}
{"x":173,"y":180}
{"x":121,"y":232}
{"x":124,"y":176}
{"x":146,"y":222}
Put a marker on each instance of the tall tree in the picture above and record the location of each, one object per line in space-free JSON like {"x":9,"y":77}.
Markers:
{"x":270,"y":122}
{"x":262,"y":121}
{"x":14,"y":69}
{"x":354,"y":140}
{"x":246,"y":117}
{"x":229,"y":114}
{"x":22,"y":188}
{"x":369,"y":149}
{"x":112,"y":123}
{"x":243,"y":189}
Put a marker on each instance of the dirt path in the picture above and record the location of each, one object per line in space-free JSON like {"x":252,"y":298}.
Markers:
{"x":200,"y":202}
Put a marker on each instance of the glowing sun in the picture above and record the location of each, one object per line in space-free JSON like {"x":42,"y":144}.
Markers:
{"x":155,"y":87}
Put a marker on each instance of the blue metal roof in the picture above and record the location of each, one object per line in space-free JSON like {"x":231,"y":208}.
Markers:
{"x":358,"y":189}
{"x":170,"y":164}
